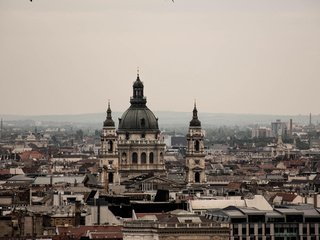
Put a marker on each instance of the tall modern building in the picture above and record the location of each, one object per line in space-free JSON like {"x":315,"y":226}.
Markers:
{"x":136,"y":144}
{"x":278,"y":128}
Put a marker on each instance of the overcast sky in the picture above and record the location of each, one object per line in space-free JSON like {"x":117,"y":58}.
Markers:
{"x":233,"y":56}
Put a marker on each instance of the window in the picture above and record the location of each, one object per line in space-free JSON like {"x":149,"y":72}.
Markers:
{"x":110,"y":177}
{"x":244,"y":230}
{"x":312,"y":229}
{"x":151,"y":158}
{"x":143,"y":158}
{"x":197,"y":146}
{"x":124,"y":157}
{"x":110,"y":146}
{"x":197,"y":177}
{"x":134,"y":158}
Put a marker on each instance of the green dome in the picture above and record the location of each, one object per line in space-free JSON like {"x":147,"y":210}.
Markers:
{"x":138,"y":118}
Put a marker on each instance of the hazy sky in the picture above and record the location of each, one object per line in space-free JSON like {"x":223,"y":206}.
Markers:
{"x":233,"y":56}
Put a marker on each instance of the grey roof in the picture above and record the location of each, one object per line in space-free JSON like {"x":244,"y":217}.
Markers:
{"x":273,"y":214}
{"x":59,"y":179}
{"x":307,"y":209}
{"x":289,"y":211}
{"x":251,"y":211}
{"x":234,"y":213}
{"x":20,"y":178}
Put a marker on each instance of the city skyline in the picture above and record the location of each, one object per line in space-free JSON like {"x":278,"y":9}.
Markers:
{"x":67,"y":57}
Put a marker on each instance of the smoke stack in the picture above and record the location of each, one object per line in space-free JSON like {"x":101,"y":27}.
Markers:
{"x":310,"y":122}
{"x":290,"y":127}
{"x":1,"y":128}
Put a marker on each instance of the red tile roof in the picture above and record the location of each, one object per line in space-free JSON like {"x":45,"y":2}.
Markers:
{"x":286,"y":197}
{"x":30,"y":155}
{"x":4,"y":171}
{"x":107,"y":232}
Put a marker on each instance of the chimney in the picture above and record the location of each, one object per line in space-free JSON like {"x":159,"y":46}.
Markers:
{"x":77,"y":219}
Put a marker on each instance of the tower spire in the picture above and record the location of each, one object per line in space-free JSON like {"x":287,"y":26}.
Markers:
{"x":195,"y":121}
{"x":109,"y":122}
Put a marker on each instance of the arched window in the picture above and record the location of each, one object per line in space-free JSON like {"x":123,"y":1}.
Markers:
{"x":197,"y":146}
{"x":151,"y":158}
{"x":134,"y":158}
{"x":161,"y":157}
{"x":124,"y":157}
{"x":110,"y":177}
{"x":143,"y":158}
{"x":110,"y":146}
{"x":197,"y":177}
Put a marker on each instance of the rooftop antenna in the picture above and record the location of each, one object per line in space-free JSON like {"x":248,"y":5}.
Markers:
{"x":1,"y":128}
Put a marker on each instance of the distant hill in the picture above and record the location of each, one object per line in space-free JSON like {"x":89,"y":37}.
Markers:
{"x":172,"y":118}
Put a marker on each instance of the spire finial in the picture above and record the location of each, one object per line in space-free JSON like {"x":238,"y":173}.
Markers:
{"x":138,"y":71}
{"x":195,"y":121}
{"x":109,"y":109}
{"x":109,"y":122}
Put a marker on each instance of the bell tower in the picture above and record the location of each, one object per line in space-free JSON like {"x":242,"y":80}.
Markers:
{"x":109,"y":160}
{"x":195,"y":163}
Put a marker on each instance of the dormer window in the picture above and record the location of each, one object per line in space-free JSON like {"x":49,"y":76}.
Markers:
{"x":143,"y":123}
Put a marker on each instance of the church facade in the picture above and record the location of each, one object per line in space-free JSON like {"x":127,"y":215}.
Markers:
{"x":137,"y":147}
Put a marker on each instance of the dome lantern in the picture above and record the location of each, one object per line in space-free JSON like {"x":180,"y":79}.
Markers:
{"x":138,"y":117}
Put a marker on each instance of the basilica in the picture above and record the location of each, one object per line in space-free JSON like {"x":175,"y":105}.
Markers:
{"x":137,"y":147}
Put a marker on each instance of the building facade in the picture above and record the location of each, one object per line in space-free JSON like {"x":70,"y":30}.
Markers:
{"x":136,"y":147}
{"x":296,"y":222}
{"x":176,"y":225}
{"x":278,"y":128}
